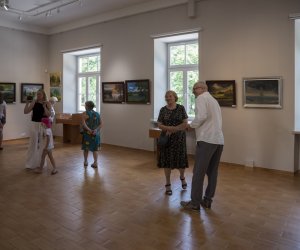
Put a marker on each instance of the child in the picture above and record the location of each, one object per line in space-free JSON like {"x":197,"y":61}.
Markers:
{"x":48,"y":146}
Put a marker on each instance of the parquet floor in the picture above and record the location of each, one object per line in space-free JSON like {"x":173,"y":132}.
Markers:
{"x":122,"y":205}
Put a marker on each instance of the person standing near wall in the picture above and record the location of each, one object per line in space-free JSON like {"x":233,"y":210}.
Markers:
{"x":172,"y":119}
{"x":2,"y":117}
{"x":210,"y":141}
{"x":91,"y":124}
{"x":40,"y":108}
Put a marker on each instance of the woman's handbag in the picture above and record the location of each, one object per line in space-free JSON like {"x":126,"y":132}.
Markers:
{"x":163,"y":139}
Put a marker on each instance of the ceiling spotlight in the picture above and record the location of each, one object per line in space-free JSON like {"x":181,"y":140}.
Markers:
{"x":20,"y":18}
{"x":4,"y":4}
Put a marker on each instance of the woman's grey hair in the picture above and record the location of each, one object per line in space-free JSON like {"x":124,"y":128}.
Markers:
{"x":173,"y":93}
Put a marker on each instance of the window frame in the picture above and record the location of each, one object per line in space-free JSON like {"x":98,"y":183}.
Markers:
{"x":87,"y":75}
{"x":184,"y":68}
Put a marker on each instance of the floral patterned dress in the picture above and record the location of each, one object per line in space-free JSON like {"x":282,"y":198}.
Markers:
{"x":91,"y":142}
{"x":174,"y":154}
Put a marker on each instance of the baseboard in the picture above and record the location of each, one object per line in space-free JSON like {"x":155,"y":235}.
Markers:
{"x":262,"y":169}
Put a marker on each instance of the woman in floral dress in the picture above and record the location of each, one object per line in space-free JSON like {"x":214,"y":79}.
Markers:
{"x":91,"y":123}
{"x":172,"y":120}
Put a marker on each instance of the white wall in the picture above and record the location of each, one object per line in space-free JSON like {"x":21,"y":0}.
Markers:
{"x":24,"y":59}
{"x":239,"y":38}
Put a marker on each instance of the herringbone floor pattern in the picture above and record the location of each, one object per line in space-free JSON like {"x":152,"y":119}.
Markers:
{"x":122,"y":205}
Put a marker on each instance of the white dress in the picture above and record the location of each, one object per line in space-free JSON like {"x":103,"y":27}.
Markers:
{"x":48,"y":132}
{"x":35,"y":147}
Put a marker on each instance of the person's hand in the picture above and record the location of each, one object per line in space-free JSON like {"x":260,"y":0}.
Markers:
{"x":46,"y":105}
{"x":172,"y":129}
{"x":188,"y":128}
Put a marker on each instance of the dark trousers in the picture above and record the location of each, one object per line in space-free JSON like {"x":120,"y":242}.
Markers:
{"x":207,"y":161}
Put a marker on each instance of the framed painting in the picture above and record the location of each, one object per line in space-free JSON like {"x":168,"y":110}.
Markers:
{"x":223,"y":91}
{"x":55,"y":79}
{"x":8,"y":90}
{"x":28,"y":90}
{"x":113,"y":92}
{"x":138,"y":91}
{"x":56,"y":92}
{"x":264,"y":92}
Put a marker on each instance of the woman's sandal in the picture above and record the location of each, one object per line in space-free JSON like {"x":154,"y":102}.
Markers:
{"x":183,"y":183}
{"x":168,"y":189}
{"x":54,"y":171}
{"x":94,"y":165}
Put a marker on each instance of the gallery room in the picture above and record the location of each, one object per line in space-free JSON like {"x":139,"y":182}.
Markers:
{"x":247,"y":52}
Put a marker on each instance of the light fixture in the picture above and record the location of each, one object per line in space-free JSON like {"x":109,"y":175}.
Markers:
{"x":47,"y":9}
{"x":4,"y":4}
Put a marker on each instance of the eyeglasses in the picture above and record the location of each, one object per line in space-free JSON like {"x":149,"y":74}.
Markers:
{"x":197,"y":88}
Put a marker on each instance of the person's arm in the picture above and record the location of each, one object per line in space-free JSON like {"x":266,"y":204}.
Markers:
{"x":200,"y":113}
{"x":29,"y":106}
{"x":4,"y":111}
{"x":182,"y":126}
{"x":47,"y":108}
{"x":160,"y":124}
{"x":164,"y":127}
{"x":84,"y":125}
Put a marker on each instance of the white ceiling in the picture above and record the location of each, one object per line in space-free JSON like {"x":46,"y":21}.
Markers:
{"x":77,"y":13}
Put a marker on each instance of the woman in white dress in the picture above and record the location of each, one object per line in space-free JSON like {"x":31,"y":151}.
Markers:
{"x":40,"y":108}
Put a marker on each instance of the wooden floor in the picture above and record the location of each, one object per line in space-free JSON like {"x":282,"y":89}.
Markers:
{"x":122,"y":205}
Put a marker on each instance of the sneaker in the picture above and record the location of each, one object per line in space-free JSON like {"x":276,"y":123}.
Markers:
{"x":206,"y":203}
{"x":189,"y":206}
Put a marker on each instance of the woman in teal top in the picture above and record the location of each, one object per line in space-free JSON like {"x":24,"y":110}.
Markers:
{"x":91,"y":123}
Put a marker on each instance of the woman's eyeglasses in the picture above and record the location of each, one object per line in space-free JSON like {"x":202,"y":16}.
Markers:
{"x":197,"y":88}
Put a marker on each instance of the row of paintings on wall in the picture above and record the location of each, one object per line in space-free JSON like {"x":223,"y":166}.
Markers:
{"x":264,"y":92}
{"x":257,"y":92}
{"x":130,"y":91}
{"x":8,"y":90}
{"x":28,"y":91}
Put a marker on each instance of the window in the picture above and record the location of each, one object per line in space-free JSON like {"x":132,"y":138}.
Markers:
{"x":88,"y":78}
{"x":183,"y":72}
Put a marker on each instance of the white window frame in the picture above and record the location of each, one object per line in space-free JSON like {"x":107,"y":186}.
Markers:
{"x":184,"y":68}
{"x":87,"y":75}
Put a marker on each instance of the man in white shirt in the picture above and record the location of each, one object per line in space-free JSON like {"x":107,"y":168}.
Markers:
{"x":209,"y":136}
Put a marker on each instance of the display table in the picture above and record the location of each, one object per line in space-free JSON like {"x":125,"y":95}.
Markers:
{"x":155,"y":133}
{"x":71,"y":127}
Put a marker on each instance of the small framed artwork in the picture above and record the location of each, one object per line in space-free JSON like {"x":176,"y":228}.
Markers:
{"x":264,"y":92}
{"x":138,"y":91}
{"x":55,"y":79}
{"x":8,"y":90}
{"x":113,"y":92}
{"x":28,"y":90}
{"x":56,"y":92}
{"x":223,"y":91}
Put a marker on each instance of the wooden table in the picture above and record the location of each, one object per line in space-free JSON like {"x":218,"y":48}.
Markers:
{"x":71,"y":126}
{"x":155,"y":133}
